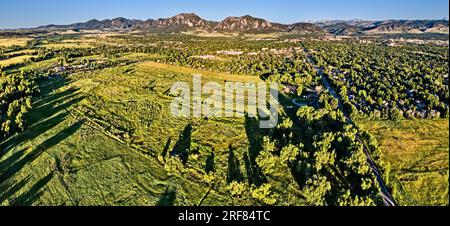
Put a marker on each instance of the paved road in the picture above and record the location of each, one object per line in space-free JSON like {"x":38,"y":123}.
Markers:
{"x":387,"y":197}
{"x":327,"y":85}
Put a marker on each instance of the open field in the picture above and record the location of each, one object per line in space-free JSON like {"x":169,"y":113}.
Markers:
{"x":41,"y":64}
{"x":5,"y":42}
{"x":64,"y":160}
{"x":25,"y":52}
{"x":102,"y":138}
{"x":220,"y":76}
{"x":75,"y":45}
{"x":14,"y":60}
{"x":88,"y":122}
{"x":418,"y":151}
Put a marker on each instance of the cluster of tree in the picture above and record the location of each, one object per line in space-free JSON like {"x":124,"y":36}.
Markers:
{"x":11,"y":55}
{"x":16,"y":91}
{"x":387,"y":82}
{"x":324,"y":156}
{"x":256,"y":57}
{"x":316,"y":151}
{"x":39,"y":56}
{"x":68,"y":55}
{"x":294,"y":71}
{"x":6,"y":52}
{"x":205,"y":45}
{"x":183,"y":50}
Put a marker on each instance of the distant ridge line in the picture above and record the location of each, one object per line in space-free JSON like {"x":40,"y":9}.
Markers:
{"x":248,"y":24}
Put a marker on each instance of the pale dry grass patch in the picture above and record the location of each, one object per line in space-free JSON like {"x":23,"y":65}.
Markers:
{"x":4,"y":42}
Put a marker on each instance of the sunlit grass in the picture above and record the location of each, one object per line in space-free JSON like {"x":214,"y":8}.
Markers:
{"x":4,"y":42}
{"x":104,"y":129}
{"x":418,"y":151}
{"x":14,"y":60}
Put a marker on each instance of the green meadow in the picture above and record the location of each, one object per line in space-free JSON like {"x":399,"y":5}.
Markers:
{"x":418,"y":152}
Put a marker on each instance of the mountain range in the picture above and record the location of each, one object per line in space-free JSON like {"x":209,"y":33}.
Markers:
{"x":249,"y":24}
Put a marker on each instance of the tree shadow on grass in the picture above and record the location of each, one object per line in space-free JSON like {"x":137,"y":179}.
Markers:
{"x":254,"y":173}
{"x":234,"y":167}
{"x":27,"y":158}
{"x":47,"y":100}
{"x":168,"y":198}
{"x":10,"y":187}
{"x":183,"y":145}
{"x":210,"y":165}
{"x":35,"y":192}
{"x":43,"y":118}
{"x":32,"y":132}
{"x":166,"y":147}
{"x":49,"y":109}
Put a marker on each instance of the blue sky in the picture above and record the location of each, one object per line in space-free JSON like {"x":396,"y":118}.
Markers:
{"x":31,"y":13}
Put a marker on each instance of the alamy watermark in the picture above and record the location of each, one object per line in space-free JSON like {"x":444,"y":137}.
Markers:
{"x":214,"y":100}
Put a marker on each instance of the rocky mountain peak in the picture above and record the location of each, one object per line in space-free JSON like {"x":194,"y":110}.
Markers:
{"x":245,"y":23}
{"x":250,"y":24}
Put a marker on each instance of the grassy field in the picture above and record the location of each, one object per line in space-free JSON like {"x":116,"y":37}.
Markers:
{"x":14,"y":60}
{"x":4,"y":42}
{"x":418,"y":151}
{"x":218,"y":76}
{"x":103,"y":138}
{"x":24,"y":52}
{"x":41,"y":64}
{"x":106,"y":137}
{"x":75,"y":45}
{"x":64,"y":160}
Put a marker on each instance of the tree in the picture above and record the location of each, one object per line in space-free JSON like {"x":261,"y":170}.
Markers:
{"x":395,"y":114}
{"x":264,"y":194}
{"x":6,"y":127}
{"x":289,"y":154}
{"x":266,"y":159}
{"x":348,"y":200}
{"x":316,"y":190}
{"x":236,"y":189}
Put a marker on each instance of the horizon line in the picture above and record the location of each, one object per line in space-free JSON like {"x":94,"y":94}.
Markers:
{"x":284,"y":23}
